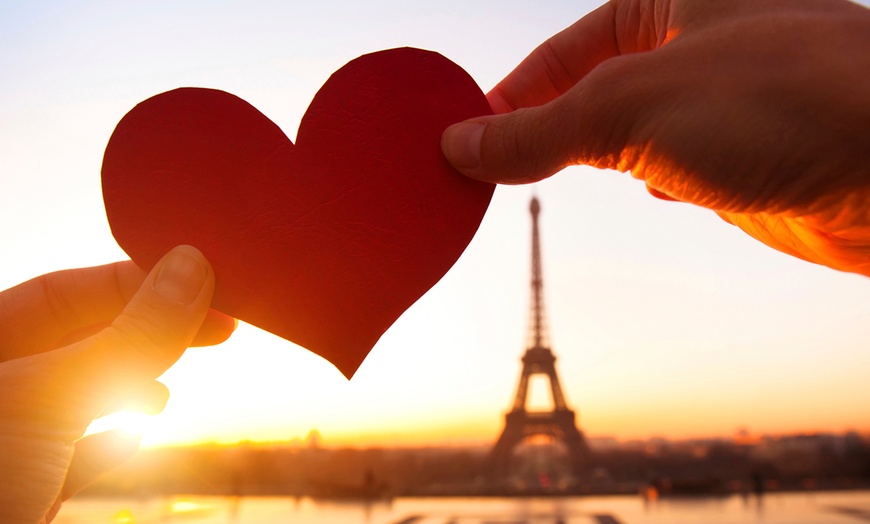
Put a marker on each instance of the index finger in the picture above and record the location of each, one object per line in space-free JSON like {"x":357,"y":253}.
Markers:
{"x":37,"y":315}
{"x":57,"y":309}
{"x":616,"y":28}
{"x":559,"y":63}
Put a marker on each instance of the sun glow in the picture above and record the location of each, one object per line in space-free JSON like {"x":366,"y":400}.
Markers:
{"x":129,"y":422}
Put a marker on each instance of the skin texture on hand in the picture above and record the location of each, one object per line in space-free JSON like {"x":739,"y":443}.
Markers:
{"x":756,"y":109}
{"x":78,"y":344}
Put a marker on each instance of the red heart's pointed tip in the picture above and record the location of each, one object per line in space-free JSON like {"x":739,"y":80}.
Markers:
{"x":348,"y":373}
{"x":347,"y":356}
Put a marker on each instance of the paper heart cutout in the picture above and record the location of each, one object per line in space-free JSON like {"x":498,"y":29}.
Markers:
{"x":326,"y":242}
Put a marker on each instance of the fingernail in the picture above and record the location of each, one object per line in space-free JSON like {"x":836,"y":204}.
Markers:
{"x":461,"y":144}
{"x":180,"y":277}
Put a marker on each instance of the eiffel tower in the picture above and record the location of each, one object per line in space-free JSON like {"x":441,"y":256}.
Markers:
{"x":520,"y":423}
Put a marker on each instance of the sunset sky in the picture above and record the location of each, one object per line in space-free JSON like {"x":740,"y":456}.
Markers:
{"x":666,"y":321}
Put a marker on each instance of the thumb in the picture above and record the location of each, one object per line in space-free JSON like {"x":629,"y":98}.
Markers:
{"x":149,"y":335}
{"x":511,"y":148}
{"x":95,"y":455}
{"x":591,"y":123}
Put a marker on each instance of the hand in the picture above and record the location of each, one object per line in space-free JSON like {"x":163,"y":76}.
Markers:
{"x":77,"y":344}
{"x":756,"y":109}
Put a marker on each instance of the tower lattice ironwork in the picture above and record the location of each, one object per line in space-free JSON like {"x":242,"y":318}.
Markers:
{"x":520,"y":422}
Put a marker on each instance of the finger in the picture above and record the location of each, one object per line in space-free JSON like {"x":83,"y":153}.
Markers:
{"x":61,"y":308}
{"x":594,"y":123}
{"x":36,"y":315}
{"x":52,"y":511}
{"x":149,"y":399}
{"x":149,"y":335}
{"x":572,"y":100}
{"x":563,"y":103}
{"x":658,"y":194}
{"x":216,"y":328}
{"x":556,"y":65}
{"x":94,"y":456}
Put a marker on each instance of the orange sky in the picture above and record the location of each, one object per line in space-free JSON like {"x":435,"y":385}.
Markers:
{"x":665,"y":320}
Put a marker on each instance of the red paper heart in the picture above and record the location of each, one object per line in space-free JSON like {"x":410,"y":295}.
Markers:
{"x":326,"y":242}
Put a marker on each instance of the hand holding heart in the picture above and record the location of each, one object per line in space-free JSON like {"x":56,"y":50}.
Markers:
{"x":78,"y":344}
{"x":757,"y":110}
{"x":324,"y":242}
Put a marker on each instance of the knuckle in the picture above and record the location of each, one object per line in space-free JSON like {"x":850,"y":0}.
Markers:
{"x":518,"y":149}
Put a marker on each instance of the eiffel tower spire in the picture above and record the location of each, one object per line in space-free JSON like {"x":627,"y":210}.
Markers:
{"x":538,"y":329}
{"x":520,"y":423}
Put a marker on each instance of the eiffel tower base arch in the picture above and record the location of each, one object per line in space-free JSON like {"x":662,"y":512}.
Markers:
{"x":520,"y":425}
